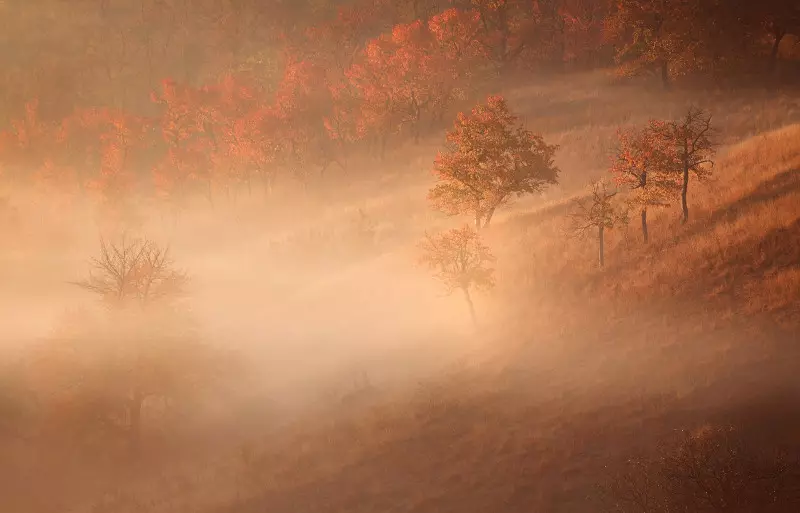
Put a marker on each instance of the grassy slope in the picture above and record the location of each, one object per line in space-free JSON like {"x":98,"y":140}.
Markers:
{"x":601,"y":363}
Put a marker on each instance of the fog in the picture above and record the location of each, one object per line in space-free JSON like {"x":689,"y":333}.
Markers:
{"x":279,"y":170}
{"x":311,"y":328}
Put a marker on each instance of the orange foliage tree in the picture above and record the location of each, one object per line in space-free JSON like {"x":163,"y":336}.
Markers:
{"x":490,"y":158}
{"x":303,"y":102}
{"x":184,"y":124}
{"x":688,"y":148}
{"x":101,"y":152}
{"x":655,"y":34}
{"x":638,"y":164}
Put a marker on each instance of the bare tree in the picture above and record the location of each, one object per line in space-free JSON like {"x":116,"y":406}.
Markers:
{"x":137,"y":270}
{"x":460,"y":261}
{"x":599,"y":212}
{"x":135,"y":353}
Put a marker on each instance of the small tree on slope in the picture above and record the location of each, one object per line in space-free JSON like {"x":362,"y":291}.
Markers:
{"x":638,"y":164}
{"x":460,"y":261}
{"x":489,"y":158}
{"x":597,"y":212}
{"x":688,"y":149}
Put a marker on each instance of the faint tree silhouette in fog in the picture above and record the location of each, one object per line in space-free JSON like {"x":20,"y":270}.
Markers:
{"x":597,"y":212}
{"x":97,"y":372}
{"x":460,"y":261}
{"x":490,"y":158}
{"x":133,"y":270}
{"x":711,"y":470}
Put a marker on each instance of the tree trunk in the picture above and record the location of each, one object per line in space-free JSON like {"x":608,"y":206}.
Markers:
{"x":488,"y":217}
{"x":267,"y":181}
{"x":665,"y":74}
{"x":602,"y":244}
{"x":684,"y":193}
{"x":135,"y":426}
{"x":477,"y":221}
{"x":644,"y":224}
{"x":210,"y":193}
{"x":773,"y":54}
{"x":468,"y":299}
{"x":382,"y":148}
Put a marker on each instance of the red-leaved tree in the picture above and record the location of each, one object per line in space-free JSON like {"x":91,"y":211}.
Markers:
{"x":490,"y":158}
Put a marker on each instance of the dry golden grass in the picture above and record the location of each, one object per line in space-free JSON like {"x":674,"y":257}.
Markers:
{"x":743,"y":244}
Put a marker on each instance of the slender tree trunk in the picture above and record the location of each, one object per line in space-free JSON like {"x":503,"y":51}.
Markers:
{"x":685,"y":193}
{"x":644,"y":224}
{"x":773,"y":54}
{"x":477,"y":221}
{"x":665,"y":74}
{"x":135,"y":426}
{"x":468,"y":299}
{"x":488,"y":217}
{"x":602,"y":245}
{"x":382,"y":149}
{"x":267,"y":183}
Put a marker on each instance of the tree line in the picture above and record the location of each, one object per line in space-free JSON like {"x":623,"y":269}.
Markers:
{"x":359,"y":76}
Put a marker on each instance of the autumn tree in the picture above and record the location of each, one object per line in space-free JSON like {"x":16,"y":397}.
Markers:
{"x":379,"y":82}
{"x":303,"y":102}
{"x":102,"y":151}
{"x":689,"y":148}
{"x":27,"y":146}
{"x":638,"y":165}
{"x":597,"y":212}
{"x":506,"y":29}
{"x":459,"y":57}
{"x":774,"y":19}
{"x":489,"y":158}
{"x":654,"y":34}
{"x":461,"y":261}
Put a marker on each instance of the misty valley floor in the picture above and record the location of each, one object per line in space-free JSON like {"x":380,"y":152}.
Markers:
{"x":536,"y":430}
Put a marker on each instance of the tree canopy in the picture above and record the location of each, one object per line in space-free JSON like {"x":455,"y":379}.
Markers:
{"x":490,"y":158}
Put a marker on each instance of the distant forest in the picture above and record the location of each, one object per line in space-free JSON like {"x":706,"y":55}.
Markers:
{"x":170,"y":96}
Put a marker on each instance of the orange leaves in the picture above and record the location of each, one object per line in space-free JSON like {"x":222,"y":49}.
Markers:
{"x":455,"y":32}
{"x":638,"y":165}
{"x":657,"y":160}
{"x":489,"y":159}
{"x":414,"y":70}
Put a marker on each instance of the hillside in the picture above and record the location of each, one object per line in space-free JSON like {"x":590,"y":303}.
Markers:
{"x":671,"y":336}
{"x":320,"y":255}
{"x":574,"y":369}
